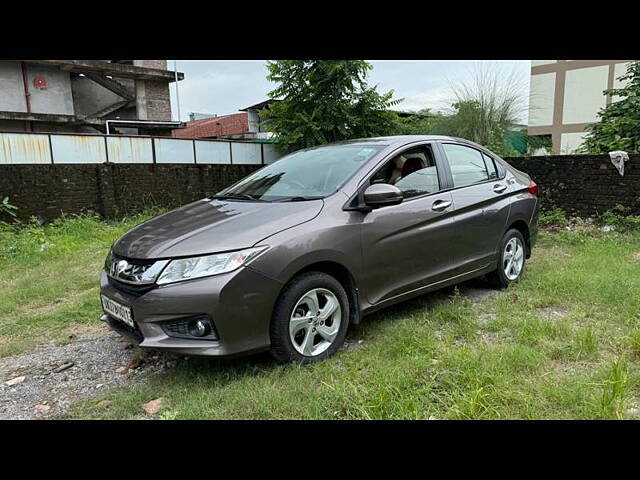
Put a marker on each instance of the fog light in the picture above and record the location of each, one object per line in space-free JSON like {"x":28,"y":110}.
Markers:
{"x":199,"y":327}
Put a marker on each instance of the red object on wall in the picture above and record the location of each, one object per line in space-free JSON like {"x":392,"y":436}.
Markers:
{"x":40,"y":82}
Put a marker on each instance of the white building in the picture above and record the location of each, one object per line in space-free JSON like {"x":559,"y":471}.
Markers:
{"x":566,"y":95}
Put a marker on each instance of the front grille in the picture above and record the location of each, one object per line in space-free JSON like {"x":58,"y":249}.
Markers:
{"x":180,"y":328}
{"x":133,"y":271}
{"x":128,"y":288}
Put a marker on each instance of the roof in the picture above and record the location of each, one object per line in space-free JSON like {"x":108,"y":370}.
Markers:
{"x":225,"y":125}
{"x":400,"y":139}
{"x":259,"y":106}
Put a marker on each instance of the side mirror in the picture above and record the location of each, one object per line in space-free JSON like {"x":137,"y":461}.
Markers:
{"x":381,"y":195}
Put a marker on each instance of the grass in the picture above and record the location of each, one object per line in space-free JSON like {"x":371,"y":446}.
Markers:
{"x":49,"y":278}
{"x":563,"y":343}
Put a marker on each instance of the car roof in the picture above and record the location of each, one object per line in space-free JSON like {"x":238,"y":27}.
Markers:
{"x":398,"y":140}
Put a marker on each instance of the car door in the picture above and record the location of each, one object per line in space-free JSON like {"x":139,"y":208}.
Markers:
{"x":480,"y":205}
{"x":408,"y":246}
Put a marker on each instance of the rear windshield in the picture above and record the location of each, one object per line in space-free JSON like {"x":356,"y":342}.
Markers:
{"x":305,"y":174}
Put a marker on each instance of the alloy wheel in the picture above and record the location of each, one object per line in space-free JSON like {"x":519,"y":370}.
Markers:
{"x":315,"y":322}
{"x":513,"y":258}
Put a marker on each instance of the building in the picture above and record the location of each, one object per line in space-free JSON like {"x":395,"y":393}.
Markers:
{"x":565,"y":97}
{"x":246,"y":125}
{"x":87,"y":96}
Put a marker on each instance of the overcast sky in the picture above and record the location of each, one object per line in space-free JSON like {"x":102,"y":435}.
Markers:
{"x":225,"y":86}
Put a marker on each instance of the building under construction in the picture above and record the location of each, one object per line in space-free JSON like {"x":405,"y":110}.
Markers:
{"x":87,"y":96}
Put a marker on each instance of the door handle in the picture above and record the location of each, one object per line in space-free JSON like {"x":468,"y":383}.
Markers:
{"x":440,"y":205}
{"x":498,"y":188}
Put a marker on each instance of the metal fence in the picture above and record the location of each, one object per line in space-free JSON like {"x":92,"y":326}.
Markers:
{"x":54,"y":148}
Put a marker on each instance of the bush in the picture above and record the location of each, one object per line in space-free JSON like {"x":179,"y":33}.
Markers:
{"x":617,"y":217}
{"x":553,"y":218}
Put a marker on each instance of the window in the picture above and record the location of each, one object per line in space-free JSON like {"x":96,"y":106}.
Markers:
{"x":311,"y":173}
{"x":491,"y":167}
{"x":502,"y":171}
{"x":413,"y":172}
{"x":467,"y":165}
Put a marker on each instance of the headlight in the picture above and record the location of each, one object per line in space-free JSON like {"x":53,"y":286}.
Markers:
{"x":205,"y":266}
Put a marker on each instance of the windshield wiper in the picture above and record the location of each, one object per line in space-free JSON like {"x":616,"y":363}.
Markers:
{"x":296,"y":198}
{"x":237,"y":196}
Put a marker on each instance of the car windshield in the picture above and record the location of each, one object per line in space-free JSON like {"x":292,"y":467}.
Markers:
{"x":303,"y":175}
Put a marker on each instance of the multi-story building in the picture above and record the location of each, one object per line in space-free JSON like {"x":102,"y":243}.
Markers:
{"x":87,"y":96}
{"x":566,"y":95}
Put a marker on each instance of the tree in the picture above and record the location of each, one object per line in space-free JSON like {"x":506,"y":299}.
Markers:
{"x":618,"y":126}
{"x":324,"y":101}
{"x":422,"y":122}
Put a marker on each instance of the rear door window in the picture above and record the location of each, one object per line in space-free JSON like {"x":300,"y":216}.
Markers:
{"x":467,"y":165}
{"x":491,"y":167}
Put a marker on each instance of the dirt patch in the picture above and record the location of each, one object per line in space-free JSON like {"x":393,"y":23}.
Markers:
{"x":477,"y":290}
{"x":58,"y":375}
{"x":551,"y":313}
{"x":486,"y":318}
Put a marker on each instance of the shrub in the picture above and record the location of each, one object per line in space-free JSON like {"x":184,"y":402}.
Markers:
{"x":617,"y":217}
{"x":554,"y":217}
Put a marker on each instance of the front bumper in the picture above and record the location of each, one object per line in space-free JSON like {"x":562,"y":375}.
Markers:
{"x":239,"y":303}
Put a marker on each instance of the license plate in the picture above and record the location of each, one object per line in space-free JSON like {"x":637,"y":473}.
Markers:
{"x":117,"y":310}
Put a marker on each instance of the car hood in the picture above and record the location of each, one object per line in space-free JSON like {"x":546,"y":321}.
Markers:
{"x":209,"y":226}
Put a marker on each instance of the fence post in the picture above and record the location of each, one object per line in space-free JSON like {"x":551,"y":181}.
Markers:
{"x":50,"y":148}
{"x":106,"y":194}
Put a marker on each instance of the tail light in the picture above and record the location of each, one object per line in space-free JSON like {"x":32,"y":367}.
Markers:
{"x":533,"y":188}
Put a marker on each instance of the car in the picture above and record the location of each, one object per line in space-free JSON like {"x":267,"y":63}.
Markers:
{"x":289,"y":257}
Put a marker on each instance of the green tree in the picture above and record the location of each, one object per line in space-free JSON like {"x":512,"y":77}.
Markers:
{"x":618,"y":126}
{"x":323,"y":101}
{"x":422,"y":122}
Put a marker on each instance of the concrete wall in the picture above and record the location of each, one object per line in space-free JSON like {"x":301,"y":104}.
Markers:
{"x":56,"y":97}
{"x":12,"y":97}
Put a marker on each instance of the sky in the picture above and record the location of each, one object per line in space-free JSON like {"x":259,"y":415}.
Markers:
{"x":226,"y":86}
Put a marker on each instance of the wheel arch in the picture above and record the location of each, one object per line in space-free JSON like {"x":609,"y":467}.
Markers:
{"x":523,"y":228}
{"x":341,"y":273}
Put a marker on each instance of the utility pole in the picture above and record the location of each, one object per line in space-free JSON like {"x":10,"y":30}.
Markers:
{"x":175,"y":71}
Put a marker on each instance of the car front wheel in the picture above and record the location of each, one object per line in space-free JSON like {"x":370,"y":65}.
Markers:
{"x":310,"y":319}
{"x":511,"y":258}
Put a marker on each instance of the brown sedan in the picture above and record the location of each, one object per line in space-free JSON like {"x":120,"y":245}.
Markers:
{"x":285,"y":259}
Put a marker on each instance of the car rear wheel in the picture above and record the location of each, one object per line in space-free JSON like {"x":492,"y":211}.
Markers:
{"x":511,"y":259}
{"x":310,"y":319}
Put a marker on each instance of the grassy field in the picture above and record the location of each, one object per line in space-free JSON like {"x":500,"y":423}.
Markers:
{"x":49,"y":279}
{"x":563,"y":343}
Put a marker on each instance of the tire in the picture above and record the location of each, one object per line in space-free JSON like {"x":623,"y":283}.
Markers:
{"x":301,"y":325}
{"x":499,"y":278}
